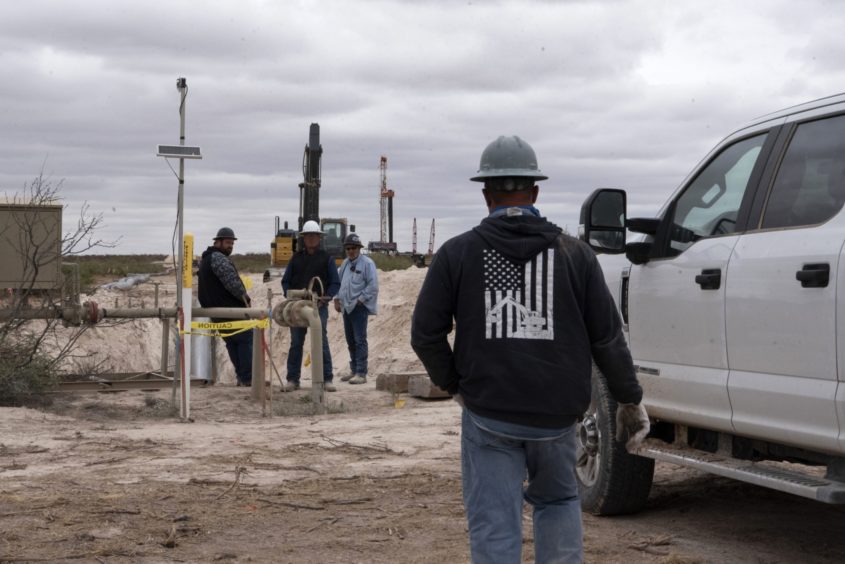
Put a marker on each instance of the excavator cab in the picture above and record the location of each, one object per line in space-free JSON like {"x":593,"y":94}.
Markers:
{"x":334,"y":232}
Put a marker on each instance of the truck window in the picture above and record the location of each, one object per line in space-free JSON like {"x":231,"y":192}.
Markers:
{"x":809,"y":187}
{"x":710,"y":204}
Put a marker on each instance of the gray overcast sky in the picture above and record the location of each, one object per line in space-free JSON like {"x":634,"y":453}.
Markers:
{"x":626,"y":94}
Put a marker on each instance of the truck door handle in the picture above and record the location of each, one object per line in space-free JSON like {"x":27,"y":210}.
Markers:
{"x":814,"y":275}
{"x":709,"y":279}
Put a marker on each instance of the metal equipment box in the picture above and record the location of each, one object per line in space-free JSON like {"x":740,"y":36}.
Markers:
{"x":30,"y":246}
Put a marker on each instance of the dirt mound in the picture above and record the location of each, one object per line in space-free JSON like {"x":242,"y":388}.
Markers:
{"x":134,"y":345}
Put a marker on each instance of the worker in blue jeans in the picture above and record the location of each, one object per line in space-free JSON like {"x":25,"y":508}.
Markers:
{"x":239,"y":347}
{"x":531,"y":311}
{"x":220,"y":285}
{"x":494,"y":458}
{"x":357,"y":299}
{"x":307,"y":264}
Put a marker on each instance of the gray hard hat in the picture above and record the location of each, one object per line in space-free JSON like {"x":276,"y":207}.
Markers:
{"x":352,"y":240}
{"x":225,"y":233}
{"x":508,"y":156}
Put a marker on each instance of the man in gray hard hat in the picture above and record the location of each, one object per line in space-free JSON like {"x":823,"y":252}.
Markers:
{"x":357,"y":299}
{"x":220,"y":285}
{"x":307,"y":264}
{"x":531,"y":309}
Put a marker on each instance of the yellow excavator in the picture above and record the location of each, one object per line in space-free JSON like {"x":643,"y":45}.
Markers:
{"x":287,"y":241}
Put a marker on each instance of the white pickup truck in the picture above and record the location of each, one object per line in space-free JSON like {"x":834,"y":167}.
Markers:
{"x":731,"y":306}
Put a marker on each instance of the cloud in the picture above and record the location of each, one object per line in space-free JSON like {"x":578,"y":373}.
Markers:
{"x":628,"y":94}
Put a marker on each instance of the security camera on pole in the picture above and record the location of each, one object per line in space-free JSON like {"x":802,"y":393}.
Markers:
{"x":184,"y":286}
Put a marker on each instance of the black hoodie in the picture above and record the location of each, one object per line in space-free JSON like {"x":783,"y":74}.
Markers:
{"x":531,"y":308}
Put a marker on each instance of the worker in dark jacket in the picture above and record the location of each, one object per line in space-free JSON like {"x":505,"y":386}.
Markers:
{"x":531,"y":311}
{"x":311,"y":262}
{"x":220,"y":285}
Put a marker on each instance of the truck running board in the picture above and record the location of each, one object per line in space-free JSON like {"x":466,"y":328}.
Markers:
{"x":762,"y":474}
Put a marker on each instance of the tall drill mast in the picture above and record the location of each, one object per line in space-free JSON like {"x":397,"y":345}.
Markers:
{"x":385,"y":203}
{"x":431,"y":239}
{"x":309,"y":188}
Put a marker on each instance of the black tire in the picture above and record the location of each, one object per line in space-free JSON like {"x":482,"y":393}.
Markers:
{"x":611,"y":481}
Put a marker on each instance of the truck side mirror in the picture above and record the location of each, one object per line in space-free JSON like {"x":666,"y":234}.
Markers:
{"x":603,"y":221}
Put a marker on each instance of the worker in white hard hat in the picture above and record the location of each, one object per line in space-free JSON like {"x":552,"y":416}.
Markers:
{"x":310,"y":262}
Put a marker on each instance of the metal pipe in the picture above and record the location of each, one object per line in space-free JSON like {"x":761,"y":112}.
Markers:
{"x":90,"y":312}
{"x":235,"y":313}
{"x":21,"y":313}
{"x":135,"y":313}
{"x":230,"y":312}
{"x":318,"y":395}
{"x":303,"y":313}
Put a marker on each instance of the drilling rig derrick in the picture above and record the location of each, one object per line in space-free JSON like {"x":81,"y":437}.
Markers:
{"x":385,"y":244}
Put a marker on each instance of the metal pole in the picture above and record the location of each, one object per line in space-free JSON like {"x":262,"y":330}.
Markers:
{"x":268,"y":339}
{"x":257,"y":367}
{"x":165,"y":348}
{"x":318,"y":395}
{"x":214,"y":360}
{"x":187,"y":291}
{"x":182,"y":87}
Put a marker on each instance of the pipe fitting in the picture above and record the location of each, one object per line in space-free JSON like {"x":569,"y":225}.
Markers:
{"x":293,"y":313}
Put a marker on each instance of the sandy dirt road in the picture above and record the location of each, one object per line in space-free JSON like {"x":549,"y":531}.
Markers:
{"x":115,"y":477}
{"x":112,"y":478}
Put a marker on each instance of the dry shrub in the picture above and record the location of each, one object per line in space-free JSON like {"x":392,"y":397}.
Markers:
{"x":25,"y":373}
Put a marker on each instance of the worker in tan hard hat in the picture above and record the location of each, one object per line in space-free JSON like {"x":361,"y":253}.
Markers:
{"x":310,"y":262}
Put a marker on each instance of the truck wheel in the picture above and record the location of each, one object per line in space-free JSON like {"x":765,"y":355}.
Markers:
{"x":611,"y":481}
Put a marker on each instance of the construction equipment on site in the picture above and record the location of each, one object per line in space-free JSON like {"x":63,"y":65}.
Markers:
{"x":422,"y":260}
{"x":287,"y":241}
{"x":385,"y":244}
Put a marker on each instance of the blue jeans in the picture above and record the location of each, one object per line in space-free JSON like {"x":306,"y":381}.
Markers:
{"x":493,"y":468}
{"x":355,"y":328}
{"x":297,"y":339}
{"x":239,"y":347}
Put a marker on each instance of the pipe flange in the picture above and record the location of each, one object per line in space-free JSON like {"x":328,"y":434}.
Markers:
{"x":91,"y":312}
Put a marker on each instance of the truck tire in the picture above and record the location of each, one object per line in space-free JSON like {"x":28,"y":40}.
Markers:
{"x":611,"y":481}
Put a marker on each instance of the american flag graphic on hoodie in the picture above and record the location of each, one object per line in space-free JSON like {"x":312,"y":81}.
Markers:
{"x":518,"y":300}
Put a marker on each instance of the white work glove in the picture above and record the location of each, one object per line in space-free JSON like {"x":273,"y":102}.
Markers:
{"x":631,"y":421}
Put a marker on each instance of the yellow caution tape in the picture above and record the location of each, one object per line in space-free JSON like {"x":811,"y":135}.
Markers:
{"x":226,"y":328}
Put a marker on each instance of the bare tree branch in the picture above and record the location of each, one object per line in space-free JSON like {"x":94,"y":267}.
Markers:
{"x":29,"y":348}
